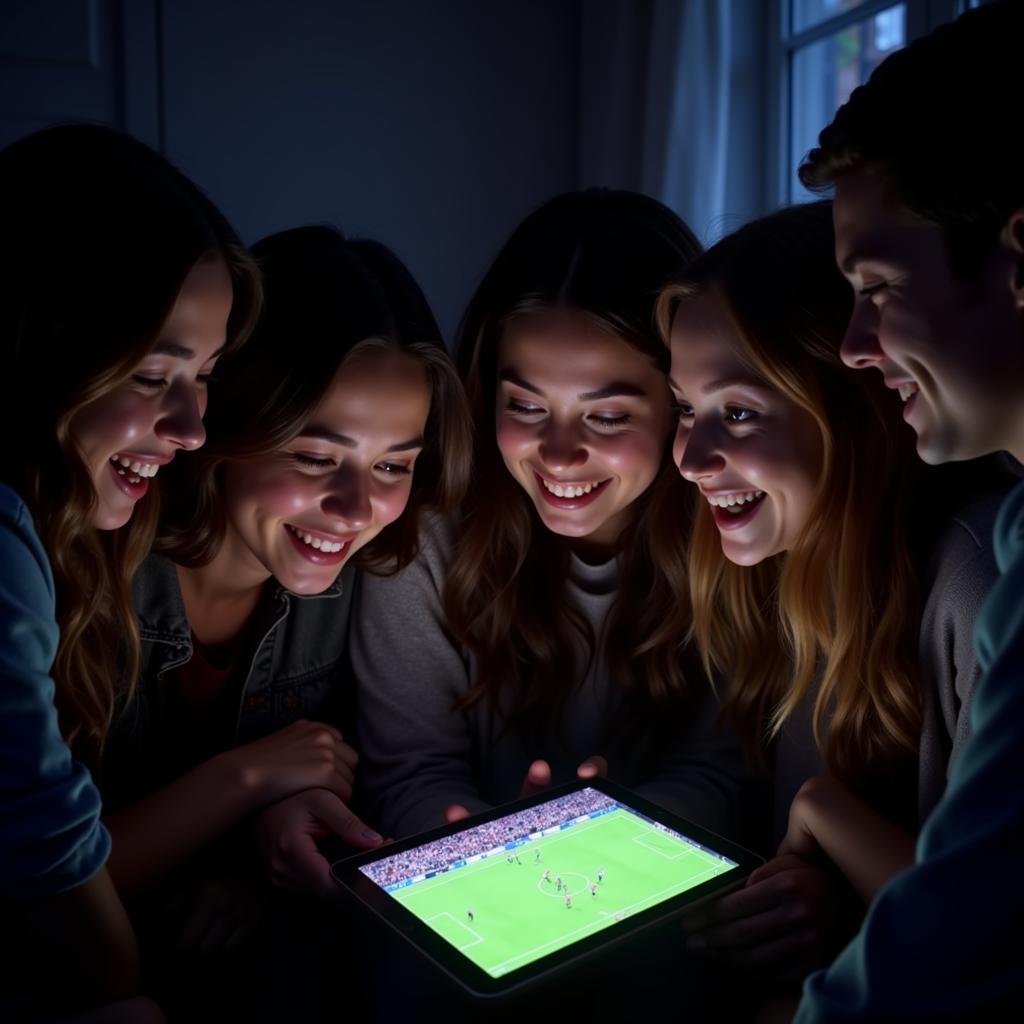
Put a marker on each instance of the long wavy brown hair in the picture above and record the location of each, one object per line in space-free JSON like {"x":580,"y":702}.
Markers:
{"x":604,"y":254}
{"x":99,"y":234}
{"x":840,"y":610}
{"x":327,"y":299}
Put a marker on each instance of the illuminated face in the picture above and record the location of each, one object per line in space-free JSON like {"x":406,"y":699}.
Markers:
{"x":300,"y":513}
{"x":953,"y":348}
{"x":755,"y":454}
{"x":582,"y":419}
{"x":127,"y":435}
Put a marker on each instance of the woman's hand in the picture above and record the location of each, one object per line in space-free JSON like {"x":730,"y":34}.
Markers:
{"x":304,"y":755}
{"x":286,"y":834}
{"x":784,"y":921}
{"x":538,"y":778}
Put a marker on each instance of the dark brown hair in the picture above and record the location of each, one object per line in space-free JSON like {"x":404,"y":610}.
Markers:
{"x":327,"y":298}
{"x":939,"y":122}
{"x":99,"y":235}
{"x":603,"y":254}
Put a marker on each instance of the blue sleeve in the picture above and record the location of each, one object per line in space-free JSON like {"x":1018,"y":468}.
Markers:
{"x":51,"y":837}
{"x":942,"y":940}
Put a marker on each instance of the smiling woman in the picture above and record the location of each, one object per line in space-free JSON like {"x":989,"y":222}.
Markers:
{"x":542,"y":632}
{"x":114,"y":266}
{"x":343,"y":417}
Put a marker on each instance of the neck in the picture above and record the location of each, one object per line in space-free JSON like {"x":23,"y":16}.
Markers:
{"x":221,"y":596}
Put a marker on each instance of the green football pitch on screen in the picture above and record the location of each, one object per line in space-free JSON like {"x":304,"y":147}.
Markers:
{"x":505,"y":915}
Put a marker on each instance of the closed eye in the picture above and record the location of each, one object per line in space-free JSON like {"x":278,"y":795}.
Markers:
{"x":872,"y":289}
{"x":149,"y":382}
{"x":310,"y":460}
{"x":607,"y":422}
{"x":514,"y":405}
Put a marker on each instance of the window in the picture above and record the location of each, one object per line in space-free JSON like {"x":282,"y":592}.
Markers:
{"x":825,"y":49}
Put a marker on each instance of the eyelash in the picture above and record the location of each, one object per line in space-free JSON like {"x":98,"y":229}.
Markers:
{"x":391,"y":468}
{"x":868,"y":290}
{"x":158,"y":383}
{"x":685,"y":411}
{"x":604,"y":422}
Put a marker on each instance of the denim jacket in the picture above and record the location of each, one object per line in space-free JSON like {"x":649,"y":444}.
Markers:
{"x":297,"y":669}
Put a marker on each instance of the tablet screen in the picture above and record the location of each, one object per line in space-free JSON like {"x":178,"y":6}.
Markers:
{"x":510,"y":891}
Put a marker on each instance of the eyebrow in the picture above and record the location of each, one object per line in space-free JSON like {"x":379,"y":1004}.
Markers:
{"x":616,"y":389}
{"x":722,"y":384}
{"x":323,"y":434}
{"x":178,"y":351}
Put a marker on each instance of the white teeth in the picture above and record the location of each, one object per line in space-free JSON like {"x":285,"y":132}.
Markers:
{"x":140,"y":469}
{"x":726,"y":500}
{"x":568,"y":490}
{"x":907,"y":391}
{"x":328,"y":546}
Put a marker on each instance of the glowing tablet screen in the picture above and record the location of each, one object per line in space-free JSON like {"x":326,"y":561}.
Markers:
{"x":517,"y":888}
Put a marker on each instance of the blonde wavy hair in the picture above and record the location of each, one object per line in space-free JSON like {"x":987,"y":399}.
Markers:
{"x":840,"y":609}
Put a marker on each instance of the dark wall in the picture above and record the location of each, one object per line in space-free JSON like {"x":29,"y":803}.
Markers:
{"x":434,"y":127}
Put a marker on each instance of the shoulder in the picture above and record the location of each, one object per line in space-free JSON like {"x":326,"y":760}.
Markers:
{"x":156,"y":596}
{"x":1009,"y":531}
{"x":961,"y":565}
{"x":430,"y":566}
{"x":22,"y":558}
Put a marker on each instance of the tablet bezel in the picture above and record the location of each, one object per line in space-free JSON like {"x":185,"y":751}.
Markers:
{"x":474,"y":978}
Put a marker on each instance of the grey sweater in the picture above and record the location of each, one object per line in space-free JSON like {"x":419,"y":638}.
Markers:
{"x":418,"y":755}
{"x":959,"y":574}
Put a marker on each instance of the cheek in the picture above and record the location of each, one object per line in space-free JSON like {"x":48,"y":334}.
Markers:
{"x":390,"y":504}
{"x":111,"y":423}
{"x":633,"y":454}
{"x":255,"y":491}
{"x":513,"y":438}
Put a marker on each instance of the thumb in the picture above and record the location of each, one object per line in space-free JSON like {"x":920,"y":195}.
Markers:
{"x":347,"y":826}
{"x":538,"y":777}
{"x":455,"y":812}
{"x":595,"y":767}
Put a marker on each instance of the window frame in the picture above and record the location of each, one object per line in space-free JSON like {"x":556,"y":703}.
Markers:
{"x":782,"y":44}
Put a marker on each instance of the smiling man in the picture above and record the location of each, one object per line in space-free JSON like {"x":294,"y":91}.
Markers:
{"x":929,"y":214}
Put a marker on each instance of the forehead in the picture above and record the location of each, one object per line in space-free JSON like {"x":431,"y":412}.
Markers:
{"x":873,"y":226}
{"x":376,"y":392}
{"x":569,"y":350}
{"x":705,"y":343}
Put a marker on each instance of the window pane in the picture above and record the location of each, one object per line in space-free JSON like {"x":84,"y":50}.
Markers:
{"x":826,"y":72}
{"x":808,"y":13}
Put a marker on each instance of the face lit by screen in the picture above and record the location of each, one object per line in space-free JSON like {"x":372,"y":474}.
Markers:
{"x":582,"y":419}
{"x":754,"y":453}
{"x":301,"y":512}
{"x":127,"y":435}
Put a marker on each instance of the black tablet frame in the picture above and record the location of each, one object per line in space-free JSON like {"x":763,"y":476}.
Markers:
{"x":476,"y":980}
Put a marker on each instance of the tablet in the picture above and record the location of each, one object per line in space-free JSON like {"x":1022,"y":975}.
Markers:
{"x":509,"y":896}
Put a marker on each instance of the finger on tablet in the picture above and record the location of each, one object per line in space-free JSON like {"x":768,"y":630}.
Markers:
{"x":595,"y":767}
{"x":775,"y":866}
{"x":538,"y":777}
{"x":746,"y":932}
{"x":455,"y":812}
{"x":348,"y":827}
{"x":736,"y":905}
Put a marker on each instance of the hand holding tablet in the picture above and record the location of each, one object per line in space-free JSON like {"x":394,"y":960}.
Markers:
{"x":506,"y":897}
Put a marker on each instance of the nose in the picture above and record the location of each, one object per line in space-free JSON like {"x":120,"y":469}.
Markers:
{"x":696,"y":453}
{"x":347,"y":498}
{"x":860,"y":348}
{"x":181,"y":416}
{"x":560,"y":447}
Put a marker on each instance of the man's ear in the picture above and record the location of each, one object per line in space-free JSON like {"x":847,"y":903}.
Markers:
{"x":1013,"y":241}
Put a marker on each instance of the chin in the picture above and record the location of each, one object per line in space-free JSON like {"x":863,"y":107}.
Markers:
{"x":111,"y":519}
{"x":744,"y":558}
